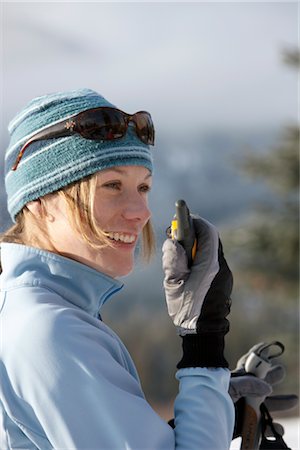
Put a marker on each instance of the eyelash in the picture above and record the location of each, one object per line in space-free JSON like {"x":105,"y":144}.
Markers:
{"x":112,"y":185}
{"x":145,"y":188}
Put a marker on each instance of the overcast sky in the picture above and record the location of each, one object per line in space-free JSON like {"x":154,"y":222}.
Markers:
{"x":195,"y":65}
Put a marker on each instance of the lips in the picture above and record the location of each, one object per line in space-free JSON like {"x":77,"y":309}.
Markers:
{"x":127,"y":238}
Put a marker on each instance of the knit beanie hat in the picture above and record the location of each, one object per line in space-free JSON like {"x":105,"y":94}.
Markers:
{"x":49,"y":165}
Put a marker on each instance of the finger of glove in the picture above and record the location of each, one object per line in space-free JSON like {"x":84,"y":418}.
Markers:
{"x":281,"y":402}
{"x":206,"y":260}
{"x":275,"y":375}
{"x":248,"y":386}
{"x":207,"y":241}
{"x":174,"y":262}
{"x":176,"y":270}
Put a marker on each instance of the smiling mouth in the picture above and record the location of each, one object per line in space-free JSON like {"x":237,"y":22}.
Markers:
{"x":122,"y":237}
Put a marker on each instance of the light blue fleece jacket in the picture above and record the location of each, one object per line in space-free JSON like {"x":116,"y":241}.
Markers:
{"x":68,"y":382}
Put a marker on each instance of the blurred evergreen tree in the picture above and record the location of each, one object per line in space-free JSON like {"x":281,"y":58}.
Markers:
{"x":265,"y":253}
{"x":272,"y":239}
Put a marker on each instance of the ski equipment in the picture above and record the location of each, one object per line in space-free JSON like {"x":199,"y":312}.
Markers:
{"x":258,"y":363}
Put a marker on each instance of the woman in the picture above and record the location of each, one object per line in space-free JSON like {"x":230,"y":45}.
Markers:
{"x":78,"y":172}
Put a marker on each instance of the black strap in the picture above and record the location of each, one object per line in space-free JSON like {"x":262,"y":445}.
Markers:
{"x":274,"y":442}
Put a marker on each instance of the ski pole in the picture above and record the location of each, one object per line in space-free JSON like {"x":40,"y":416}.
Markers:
{"x":183,"y":231}
{"x":258,"y":363}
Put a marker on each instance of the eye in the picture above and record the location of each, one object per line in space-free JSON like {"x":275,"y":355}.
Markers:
{"x":144,"y":188}
{"x":113,"y":185}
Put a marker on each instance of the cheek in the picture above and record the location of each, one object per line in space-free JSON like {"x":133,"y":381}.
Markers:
{"x":104,"y":212}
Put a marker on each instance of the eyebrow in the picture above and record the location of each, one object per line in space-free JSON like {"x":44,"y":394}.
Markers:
{"x":123,"y":171}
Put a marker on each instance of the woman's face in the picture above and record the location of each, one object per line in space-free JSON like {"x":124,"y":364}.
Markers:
{"x":121,"y":210}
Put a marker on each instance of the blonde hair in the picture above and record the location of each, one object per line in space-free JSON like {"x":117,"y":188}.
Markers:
{"x":79,"y":198}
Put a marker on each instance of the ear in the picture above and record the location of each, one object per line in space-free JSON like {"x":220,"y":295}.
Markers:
{"x":38,"y":210}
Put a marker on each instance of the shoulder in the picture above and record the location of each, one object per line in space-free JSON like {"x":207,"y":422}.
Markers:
{"x":41,"y":329}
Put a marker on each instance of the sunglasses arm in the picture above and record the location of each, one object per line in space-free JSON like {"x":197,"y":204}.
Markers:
{"x":58,"y":130}
{"x":21,"y":153}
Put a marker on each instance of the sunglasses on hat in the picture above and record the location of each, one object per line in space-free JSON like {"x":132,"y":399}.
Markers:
{"x":97,"y":124}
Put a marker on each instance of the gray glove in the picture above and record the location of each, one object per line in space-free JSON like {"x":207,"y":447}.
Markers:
{"x":272,"y":377}
{"x":198,"y":298}
{"x":244,"y":385}
{"x":247,"y":385}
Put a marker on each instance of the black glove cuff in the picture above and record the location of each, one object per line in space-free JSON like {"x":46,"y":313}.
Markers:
{"x":203,"y":350}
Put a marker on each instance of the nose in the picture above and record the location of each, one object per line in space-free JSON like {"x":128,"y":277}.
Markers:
{"x":135,"y":208}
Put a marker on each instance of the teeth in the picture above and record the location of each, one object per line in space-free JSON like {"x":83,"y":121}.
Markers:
{"x":127,"y":238}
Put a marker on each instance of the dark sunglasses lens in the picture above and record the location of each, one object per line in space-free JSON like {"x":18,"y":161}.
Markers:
{"x":144,"y":127}
{"x":103,"y":124}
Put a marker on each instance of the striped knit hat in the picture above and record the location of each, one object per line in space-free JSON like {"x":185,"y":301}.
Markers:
{"x":49,"y":165}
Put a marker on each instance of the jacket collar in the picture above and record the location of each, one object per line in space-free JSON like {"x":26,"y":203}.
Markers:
{"x":77,"y":283}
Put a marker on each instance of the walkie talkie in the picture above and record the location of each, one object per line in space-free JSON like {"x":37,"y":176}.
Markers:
{"x":182,"y":229}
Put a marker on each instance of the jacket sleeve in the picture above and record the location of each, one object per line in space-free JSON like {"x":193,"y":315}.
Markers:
{"x":83,"y":393}
{"x":204,"y":411}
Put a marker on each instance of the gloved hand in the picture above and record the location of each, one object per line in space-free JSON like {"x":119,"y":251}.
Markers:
{"x":244,"y":385}
{"x":248,"y":386}
{"x":273,"y":376}
{"x":198,"y":298}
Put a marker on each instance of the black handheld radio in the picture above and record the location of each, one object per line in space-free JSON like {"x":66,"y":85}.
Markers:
{"x":182,"y":229}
